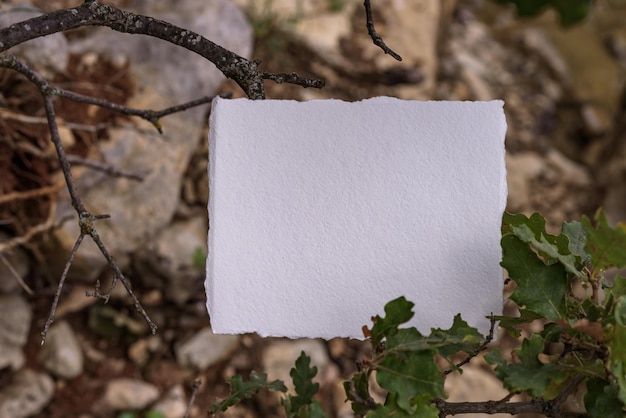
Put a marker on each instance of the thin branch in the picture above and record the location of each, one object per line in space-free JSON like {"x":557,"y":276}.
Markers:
{"x":57,"y":294}
{"x":537,"y":406}
{"x":105,"y":168}
{"x":92,"y":13}
{"x":194,"y":392}
{"x":30,"y":194}
{"x":16,"y":275}
{"x":376,"y":38}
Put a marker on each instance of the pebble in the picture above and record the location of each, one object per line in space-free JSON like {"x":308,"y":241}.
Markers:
{"x":61,"y":354}
{"x":173,"y":404}
{"x":15,"y":317}
{"x":128,"y":394}
{"x":205,"y":349}
{"x":27,"y":394}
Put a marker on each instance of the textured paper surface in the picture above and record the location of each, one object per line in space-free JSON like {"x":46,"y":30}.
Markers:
{"x":321,"y":212}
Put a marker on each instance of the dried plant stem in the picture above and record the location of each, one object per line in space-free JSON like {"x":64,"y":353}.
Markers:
{"x":376,"y":38}
{"x":194,"y":392}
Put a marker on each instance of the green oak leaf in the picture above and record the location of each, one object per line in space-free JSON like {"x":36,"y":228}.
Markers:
{"x":357,"y":392}
{"x":460,"y":337}
{"x":536,"y":222}
{"x":303,"y":405}
{"x":602,"y":401}
{"x":397,"y":312}
{"x":605,"y":245}
{"x":540,"y":288}
{"x":240,"y":390}
{"x":577,"y":236}
{"x":538,"y":379}
{"x":423,"y":408}
{"x":409,"y":373}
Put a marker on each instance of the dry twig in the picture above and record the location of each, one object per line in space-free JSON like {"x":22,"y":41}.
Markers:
{"x":376,"y":38}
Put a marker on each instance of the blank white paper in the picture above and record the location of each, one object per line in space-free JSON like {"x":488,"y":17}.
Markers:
{"x":323,"y":211}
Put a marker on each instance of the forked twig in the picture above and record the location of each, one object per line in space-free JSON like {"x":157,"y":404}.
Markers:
{"x":376,"y":38}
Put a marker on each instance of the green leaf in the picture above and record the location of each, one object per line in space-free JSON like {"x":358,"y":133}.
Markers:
{"x":540,"y":288}
{"x":460,"y":337}
{"x":532,"y":231}
{"x":538,"y":379}
{"x":357,"y":392}
{"x":240,"y":390}
{"x":302,"y":376}
{"x":423,"y":409}
{"x":601,"y":400}
{"x":409,"y":373}
{"x":570,"y":11}
{"x":509,"y":323}
{"x":397,"y":312}
{"x":577,"y":236}
{"x":606,"y":245}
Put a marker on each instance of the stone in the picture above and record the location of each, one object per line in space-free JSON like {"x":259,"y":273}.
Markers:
{"x":47,"y":55}
{"x":173,"y":404}
{"x":128,"y":394}
{"x":166,"y":75}
{"x":521,"y":169}
{"x":13,"y":262}
{"x":61,"y":354}
{"x":280,"y":357}
{"x":28,"y":394}
{"x":205,"y":349}
{"x":15,"y":318}
{"x":170,"y":259}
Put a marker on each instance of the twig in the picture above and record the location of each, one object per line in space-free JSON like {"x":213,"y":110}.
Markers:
{"x":92,"y":13}
{"x":537,"y":406}
{"x":194,"y":392}
{"x":16,"y":275}
{"x":105,"y":168}
{"x":29,"y":194}
{"x":376,"y":38}
{"x":57,"y":294}
{"x":23,"y":239}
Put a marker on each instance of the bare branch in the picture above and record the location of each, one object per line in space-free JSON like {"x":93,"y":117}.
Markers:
{"x":105,"y":168}
{"x":16,"y":275}
{"x":376,"y":38}
{"x":479,"y":350}
{"x":92,"y":13}
{"x":30,"y":194}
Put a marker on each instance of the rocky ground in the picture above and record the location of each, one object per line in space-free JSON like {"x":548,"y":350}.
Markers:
{"x":565,"y":146}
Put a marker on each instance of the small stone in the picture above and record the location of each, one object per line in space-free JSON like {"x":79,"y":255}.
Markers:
{"x":15,"y":317}
{"x":205,"y":349}
{"x":61,"y":354}
{"x":173,"y":404}
{"x":27,"y":394}
{"x":129,"y":394}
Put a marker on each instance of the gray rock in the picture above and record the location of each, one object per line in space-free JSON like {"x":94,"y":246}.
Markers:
{"x":128,"y":394}
{"x":15,"y":317}
{"x":166,"y":75}
{"x":205,"y":349}
{"x":169,"y":259}
{"x":17,"y":259}
{"x":49,"y":54}
{"x":173,"y":404}
{"x":27,"y":395}
{"x":61,"y":355}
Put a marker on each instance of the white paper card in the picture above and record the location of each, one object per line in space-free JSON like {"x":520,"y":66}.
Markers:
{"x":321,"y":212}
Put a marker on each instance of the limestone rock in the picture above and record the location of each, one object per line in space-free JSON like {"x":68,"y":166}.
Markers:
{"x":205,"y":349}
{"x":27,"y":394}
{"x":166,"y":75}
{"x":128,"y":394}
{"x":15,"y":317}
{"x":173,"y":404}
{"x":61,"y":354}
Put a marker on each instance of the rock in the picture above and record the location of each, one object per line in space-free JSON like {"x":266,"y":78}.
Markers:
{"x":280,"y":357}
{"x":173,"y":404}
{"x":61,"y":354}
{"x":166,"y":75}
{"x":48,"y":54}
{"x":27,"y":394}
{"x":521,"y":169}
{"x":128,"y":394}
{"x":16,"y":260}
{"x":15,"y":317}
{"x":170,"y":259}
{"x":205,"y":349}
